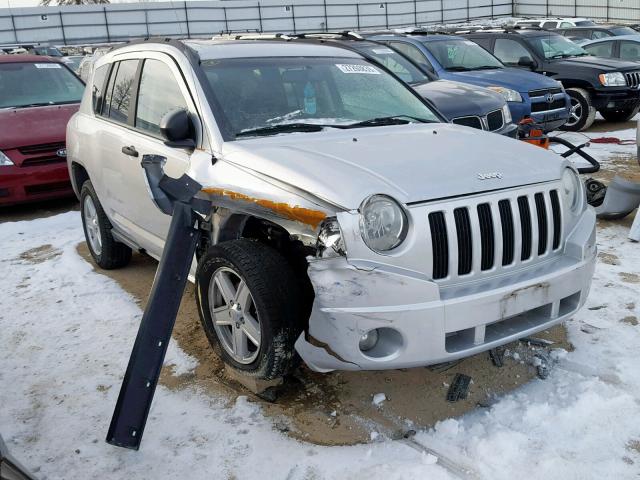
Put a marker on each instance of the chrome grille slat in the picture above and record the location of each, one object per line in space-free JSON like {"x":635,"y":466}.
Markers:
{"x":481,"y":235}
{"x":633,"y":78}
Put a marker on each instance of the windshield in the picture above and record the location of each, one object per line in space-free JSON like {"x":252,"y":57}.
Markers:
{"x":623,"y":31}
{"x":556,"y":46}
{"x":463,"y":55}
{"x":262,"y":93}
{"x":49,"y":51}
{"x":35,"y":84}
{"x":396,"y":62}
{"x":73,"y":62}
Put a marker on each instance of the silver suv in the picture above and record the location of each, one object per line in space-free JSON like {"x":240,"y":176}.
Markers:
{"x":349,"y":224}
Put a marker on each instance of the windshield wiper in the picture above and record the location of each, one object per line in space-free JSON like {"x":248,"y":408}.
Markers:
{"x":37,"y":104}
{"x":457,"y":69}
{"x":283,"y":128}
{"x":382,"y":121}
{"x":485,"y":67}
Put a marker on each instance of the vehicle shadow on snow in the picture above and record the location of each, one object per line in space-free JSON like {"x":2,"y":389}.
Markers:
{"x":337,"y":408}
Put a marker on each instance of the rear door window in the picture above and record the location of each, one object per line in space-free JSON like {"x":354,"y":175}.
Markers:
{"x":600,"y":49}
{"x":629,"y":50}
{"x":119,"y":91}
{"x":549,"y":24}
{"x":159,"y":94}
{"x":510,"y":52}
{"x":599,"y":34}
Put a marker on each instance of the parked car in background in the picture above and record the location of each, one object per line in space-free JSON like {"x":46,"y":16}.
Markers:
{"x":85,"y":69}
{"x":605,"y":85}
{"x":552,"y":23}
{"x":595,"y":32}
{"x":73,"y":62}
{"x":460,"y":103}
{"x":347,"y":223}
{"x":626,"y":47}
{"x":456,"y":58}
{"x":31,"y":49}
{"x":38,"y":95}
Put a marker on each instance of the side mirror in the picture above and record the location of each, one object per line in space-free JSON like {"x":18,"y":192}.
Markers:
{"x":526,"y":62}
{"x":177,"y":129}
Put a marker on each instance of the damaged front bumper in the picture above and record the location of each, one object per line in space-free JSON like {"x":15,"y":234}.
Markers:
{"x":420,"y":322}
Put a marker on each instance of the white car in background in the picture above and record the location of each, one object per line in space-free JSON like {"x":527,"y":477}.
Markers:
{"x":551,"y":23}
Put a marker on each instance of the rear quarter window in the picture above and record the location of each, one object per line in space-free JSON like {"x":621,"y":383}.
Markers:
{"x":98,"y":87}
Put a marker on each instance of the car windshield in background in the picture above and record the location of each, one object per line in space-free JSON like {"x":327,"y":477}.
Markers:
{"x":585,"y":23}
{"x":624,"y":31}
{"x":48,"y":51}
{"x":37,"y":84}
{"x":462,"y":55}
{"x":265,"y":96}
{"x":556,"y":46}
{"x":396,"y":63}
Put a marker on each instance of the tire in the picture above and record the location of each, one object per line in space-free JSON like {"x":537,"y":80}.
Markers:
{"x":619,"y":115}
{"x":274,"y":303}
{"x":105,"y":250}
{"x":582,"y":112}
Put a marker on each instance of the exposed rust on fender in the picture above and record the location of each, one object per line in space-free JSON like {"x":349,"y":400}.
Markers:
{"x":297,"y":213}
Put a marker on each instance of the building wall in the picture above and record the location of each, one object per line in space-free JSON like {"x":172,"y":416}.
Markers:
{"x":603,"y":10}
{"x":124,"y":21}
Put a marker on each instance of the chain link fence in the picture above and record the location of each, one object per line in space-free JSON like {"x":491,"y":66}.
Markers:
{"x":201,"y":19}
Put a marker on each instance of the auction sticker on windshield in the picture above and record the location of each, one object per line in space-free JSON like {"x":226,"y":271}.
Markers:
{"x":355,"y":68}
{"x":47,"y":65}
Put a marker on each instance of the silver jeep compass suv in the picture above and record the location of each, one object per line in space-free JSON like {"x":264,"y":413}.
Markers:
{"x":348,"y":224}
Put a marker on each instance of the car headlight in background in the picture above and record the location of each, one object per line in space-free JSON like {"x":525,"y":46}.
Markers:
{"x":330,"y":242}
{"x":5,"y":161}
{"x":383,"y":223}
{"x":506,"y":113}
{"x":572,"y":191}
{"x":508,"y":94}
{"x":613,"y":79}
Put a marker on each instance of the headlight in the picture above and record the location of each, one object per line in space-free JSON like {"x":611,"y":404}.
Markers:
{"x":560,"y":85}
{"x":330,"y":242}
{"x":572,"y":193}
{"x":508,"y":94}
{"x":5,"y":161}
{"x":383,"y":223}
{"x":506,"y":113}
{"x":613,"y":79}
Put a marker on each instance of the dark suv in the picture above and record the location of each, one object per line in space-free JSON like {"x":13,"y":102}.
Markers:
{"x":595,"y":32}
{"x":606,"y":85}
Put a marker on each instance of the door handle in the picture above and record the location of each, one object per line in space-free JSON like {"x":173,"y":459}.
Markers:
{"x":131,"y":151}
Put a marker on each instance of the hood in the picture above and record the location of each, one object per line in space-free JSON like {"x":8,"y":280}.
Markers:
{"x":513,"y":78}
{"x":35,"y":125}
{"x":600,"y":64}
{"x":412,"y":163}
{"x":455,"y":99}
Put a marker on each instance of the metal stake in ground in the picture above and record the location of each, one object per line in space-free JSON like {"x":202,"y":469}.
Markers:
{"x":175,"y":197}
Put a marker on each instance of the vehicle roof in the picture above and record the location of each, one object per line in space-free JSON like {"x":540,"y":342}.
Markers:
{"x":524,"y":32}
{"x":633,"y":38}
{"x":20,"y":58}
{"x":210,"y":49}
{"x":587,"y":27}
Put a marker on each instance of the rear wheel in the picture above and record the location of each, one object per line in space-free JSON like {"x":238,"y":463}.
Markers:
{"x":250,"y":307}
{"x":581,"y":114}
{"x":623,"y":115}
{"x":105,"y":250}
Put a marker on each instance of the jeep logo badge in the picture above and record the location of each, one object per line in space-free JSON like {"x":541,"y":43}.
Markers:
{"x":489,"y":176}
{"x":62,"y":152}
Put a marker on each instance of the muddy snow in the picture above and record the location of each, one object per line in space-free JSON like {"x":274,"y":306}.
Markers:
{"x":66,"y":331}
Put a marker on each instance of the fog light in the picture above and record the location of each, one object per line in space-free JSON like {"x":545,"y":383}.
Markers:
{"x":369,"y":340}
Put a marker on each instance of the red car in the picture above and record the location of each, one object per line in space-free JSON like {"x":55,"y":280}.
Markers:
{"x":38,"y":95}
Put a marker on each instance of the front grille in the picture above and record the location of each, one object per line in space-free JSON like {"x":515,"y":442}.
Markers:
{"x":498,"y":233}
{"x":539,"y":101}
{"x":495,"y":121}
{"x":42,"y":148}
{"x":544,"y":91}
{"x":47,"y":188}
{"x":545,"y":106}
{"x":473,"y":122}
{"x":633,"y":79}
{"x":36,"y":161}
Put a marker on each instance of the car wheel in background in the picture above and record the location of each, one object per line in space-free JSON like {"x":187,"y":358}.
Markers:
{"x":582,"y":114}
{"x":249,"y":302}
{"x":619,"y":115}
{"x":105,"y":250}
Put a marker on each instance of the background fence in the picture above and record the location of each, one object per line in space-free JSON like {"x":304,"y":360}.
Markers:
{"x":123,"y":21}
{"x":604,"y":10}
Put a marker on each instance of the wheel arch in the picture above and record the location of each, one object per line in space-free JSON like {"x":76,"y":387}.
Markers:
{"x":78,"y":176}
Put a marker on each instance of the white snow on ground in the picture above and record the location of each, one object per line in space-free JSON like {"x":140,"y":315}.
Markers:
{"x":66,"y":332}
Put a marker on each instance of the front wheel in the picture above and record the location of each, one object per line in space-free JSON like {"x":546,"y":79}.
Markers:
{"x":582,"y":113}
{"x":249,"y":303}
{"x":623,"y":115}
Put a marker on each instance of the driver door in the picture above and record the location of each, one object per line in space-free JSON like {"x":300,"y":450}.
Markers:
{"x":160,"y":90}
